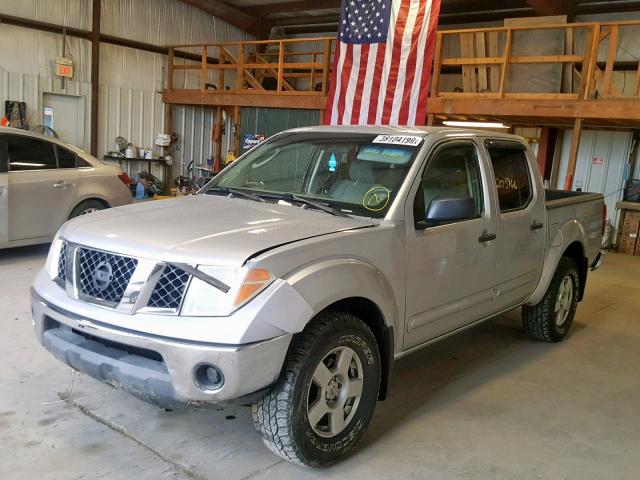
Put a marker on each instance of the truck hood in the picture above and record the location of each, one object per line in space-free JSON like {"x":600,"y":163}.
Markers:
{"x":202,"y":229}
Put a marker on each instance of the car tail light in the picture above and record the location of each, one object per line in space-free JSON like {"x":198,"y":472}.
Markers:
{"x":604,"y":218}
{"x":124,"y":178}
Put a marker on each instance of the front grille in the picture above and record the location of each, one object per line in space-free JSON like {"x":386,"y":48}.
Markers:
{"x":104,"y":276}
{"x":169,"y":290}
{"x":62,"y":262}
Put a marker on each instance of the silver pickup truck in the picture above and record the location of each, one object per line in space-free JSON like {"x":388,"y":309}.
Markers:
{"x":294,"y":279}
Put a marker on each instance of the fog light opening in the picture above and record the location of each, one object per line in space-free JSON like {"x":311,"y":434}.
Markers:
{"x":208,"y":377}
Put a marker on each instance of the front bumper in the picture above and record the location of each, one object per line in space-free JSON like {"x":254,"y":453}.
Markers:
{"x":156,"y":369}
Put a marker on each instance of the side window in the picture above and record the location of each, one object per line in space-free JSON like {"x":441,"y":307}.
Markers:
{"x":451,"y":180}
{"x":3,"y":155}
{"x":81,"y":162}
{"x":511,"y":170}
{"x":27,"y":153}
{"x":66,"y":159}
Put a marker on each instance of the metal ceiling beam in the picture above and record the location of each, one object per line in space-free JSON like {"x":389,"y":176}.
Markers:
{"x":292,"y":7}
{"x":553,"y":7}
{"x":237,"y":17}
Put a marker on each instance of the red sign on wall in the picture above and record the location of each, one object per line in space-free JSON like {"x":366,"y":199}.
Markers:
{"x":598,"y":161}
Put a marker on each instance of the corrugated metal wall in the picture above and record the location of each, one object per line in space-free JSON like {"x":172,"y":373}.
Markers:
{"x":614,"y":148}
{"x":131,"y":81}
{"x":269,"y":121}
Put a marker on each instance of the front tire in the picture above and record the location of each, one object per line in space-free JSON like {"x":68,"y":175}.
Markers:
{"x":551,"y":319}
{"x":321,"y":406}
{"x":87,"y":207}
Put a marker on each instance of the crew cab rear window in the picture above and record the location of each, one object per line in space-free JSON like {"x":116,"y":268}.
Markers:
{"x":511,"y":171}
{"x":27,"y":153}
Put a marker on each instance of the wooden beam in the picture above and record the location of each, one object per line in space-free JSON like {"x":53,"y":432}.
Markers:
{"x":612,"y":52}
{"x":95,"y":74}
{"x":232,"y":15}
{"x":306,"y":20}
{"x":534,"y":107}
{"x":573,"y":154}
{"x":244,"y":99}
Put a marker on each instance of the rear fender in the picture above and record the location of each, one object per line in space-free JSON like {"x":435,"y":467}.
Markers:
{"x":560,"y":238}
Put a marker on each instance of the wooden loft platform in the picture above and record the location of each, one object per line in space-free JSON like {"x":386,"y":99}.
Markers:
{"x":290,"y":73}
{"x":589,"y":77}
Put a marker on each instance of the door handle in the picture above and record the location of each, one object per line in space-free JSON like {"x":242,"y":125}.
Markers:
{"x":536,"y":226}
{"x":487,"y":237}
{"x":61,"y":184}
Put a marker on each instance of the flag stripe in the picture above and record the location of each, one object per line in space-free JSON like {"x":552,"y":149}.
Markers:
{"x":376,"y":86}
{"x":344,"y":84}
{"x":418,"y":85}
{"x":401,"y":23}
{"x":413,"y":72}
{"x":370,"y":74}
{"x":359,"y":89}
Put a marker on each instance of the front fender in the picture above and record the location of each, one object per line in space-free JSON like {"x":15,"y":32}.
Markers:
{"x":347,"y":278}
{"x":560,"y":237}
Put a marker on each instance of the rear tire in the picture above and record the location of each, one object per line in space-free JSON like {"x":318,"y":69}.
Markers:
{"x":322,"y":404}
{"x":551,"y":319}
{"x":86,"y":207}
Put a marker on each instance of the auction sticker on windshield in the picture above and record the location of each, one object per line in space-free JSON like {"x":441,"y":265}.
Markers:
{"x":409,"y":140}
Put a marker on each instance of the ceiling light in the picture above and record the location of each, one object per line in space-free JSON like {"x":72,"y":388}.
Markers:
{"x":450,"y":123}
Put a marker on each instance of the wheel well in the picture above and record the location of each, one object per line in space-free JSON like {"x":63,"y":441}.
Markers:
{"x":372,"y":316}
{"x":575,"y":251}
{"x":99,"y":200}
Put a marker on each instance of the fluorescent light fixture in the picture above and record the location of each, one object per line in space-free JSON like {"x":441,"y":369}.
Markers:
{"x":452,"y":123}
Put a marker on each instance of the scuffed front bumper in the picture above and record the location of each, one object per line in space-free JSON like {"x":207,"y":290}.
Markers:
{"x":156,"y":369}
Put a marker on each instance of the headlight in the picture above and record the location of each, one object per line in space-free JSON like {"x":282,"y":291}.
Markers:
{"x":203,"y":299}
{"x":51,"y":266}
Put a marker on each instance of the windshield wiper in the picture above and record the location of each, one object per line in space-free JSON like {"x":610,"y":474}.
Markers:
{"x":238,"y":193}
{"x":325,"y":208}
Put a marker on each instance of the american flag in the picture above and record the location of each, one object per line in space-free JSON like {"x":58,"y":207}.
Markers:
{"x":382,"y":62}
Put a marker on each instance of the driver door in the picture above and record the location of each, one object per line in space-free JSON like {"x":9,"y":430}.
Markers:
{"x":451,"y":266}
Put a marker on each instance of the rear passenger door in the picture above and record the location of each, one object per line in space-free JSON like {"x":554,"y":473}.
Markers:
{"x":41,"y":195}
{"x":521,"y":240}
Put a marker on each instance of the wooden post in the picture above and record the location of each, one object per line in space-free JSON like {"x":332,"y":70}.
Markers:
{"x":95,"y":75}
{"x":280,"y":66}
{"x":314,"y":59}
{"x":638,"y":81}
{"x":240,"y":68}
{"x":593,"y":58}
{"x":236,"y":130}
{"x":219,"y":119}
{"x":203,"y":80}
{"x":170,"y":69}
{"x":170,"y":171}
{"x":221,"y":61}
{"x":437,"y":67}
{"x":611,"y":59}
{"x":573,"y":154}
{"x":505,"y":63}
{"x":327,"y":66}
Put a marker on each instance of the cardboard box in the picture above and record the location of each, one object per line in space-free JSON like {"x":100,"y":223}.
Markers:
{"x":629,"y":233}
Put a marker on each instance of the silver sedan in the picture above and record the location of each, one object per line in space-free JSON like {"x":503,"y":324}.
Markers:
{"x":44,"y":182}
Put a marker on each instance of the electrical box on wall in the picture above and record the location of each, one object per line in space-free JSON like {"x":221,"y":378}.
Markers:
{"x":64,"y":67}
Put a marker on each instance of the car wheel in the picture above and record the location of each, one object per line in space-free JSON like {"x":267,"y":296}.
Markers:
{"x":322,"y":404}
{"x":552,"y":317}
{"x":86,"y":207}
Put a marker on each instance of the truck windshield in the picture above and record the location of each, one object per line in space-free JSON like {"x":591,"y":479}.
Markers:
{"x":357,"y":174}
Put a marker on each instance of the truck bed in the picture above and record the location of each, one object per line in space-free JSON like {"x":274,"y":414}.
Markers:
{"x":562,"y":198}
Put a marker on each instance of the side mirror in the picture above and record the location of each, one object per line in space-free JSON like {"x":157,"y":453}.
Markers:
{"x":450,"y":209}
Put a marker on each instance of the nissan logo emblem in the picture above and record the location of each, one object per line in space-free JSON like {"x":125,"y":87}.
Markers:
{"x":102,"y":276}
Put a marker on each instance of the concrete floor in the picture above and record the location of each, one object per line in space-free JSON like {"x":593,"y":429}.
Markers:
{"x":486,"y":404}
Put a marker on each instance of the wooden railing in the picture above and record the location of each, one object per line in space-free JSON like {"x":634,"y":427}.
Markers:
{"x":480,"y":63}
{"x":294,"y":67}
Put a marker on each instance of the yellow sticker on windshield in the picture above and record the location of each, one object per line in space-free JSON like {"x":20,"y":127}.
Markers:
{"x":376,"y":199}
